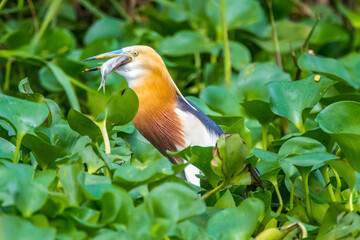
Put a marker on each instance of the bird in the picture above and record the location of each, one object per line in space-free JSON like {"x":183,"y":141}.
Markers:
{"x":165,"y":117}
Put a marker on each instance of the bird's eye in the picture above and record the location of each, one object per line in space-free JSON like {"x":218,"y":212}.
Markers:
{"x":135,"y":53}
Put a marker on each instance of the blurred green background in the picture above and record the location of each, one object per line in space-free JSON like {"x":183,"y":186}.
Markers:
{"x":188,"y":34}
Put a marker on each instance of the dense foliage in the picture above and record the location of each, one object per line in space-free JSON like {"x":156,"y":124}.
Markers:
{"x":284,"y":75}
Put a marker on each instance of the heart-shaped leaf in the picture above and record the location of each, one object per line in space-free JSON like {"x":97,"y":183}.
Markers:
{"x":344,"y":127}
{"x":236,"y":223}
{"x":122,"y":107}
{"x":290,"y":99}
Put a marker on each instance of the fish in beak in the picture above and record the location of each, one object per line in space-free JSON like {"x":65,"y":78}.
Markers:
{"x":117,"y":58}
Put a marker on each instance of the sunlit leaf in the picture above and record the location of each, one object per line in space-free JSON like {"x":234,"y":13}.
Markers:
{"x":290,"y":99}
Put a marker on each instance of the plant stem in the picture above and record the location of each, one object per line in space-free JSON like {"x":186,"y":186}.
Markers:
{"x":120,"y":10}
{"x":351,"y":201}
{"x":264,"y":130}
{"x":89,"y":6}
{"x":281,"y":204}
{"x":7,"y":75}
{"x":50,"y":15}
{"x":325,"y":174}
{"x":197,"y":60}
{"x":2,"y":4}
{"x":19,"y":138}
{"x":305,"y":180}
{"x":20,"y":5}
{"x":301,"y":127}
{"x":215,"y":190}
{"x":102,"y":126}
{"x":227,"y":60}
{"x":292,"y":194}
{"x":274,"y":35}
{"x":338,"y":185}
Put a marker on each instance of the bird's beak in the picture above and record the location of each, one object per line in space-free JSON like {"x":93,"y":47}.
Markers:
{"x":123,"y":57}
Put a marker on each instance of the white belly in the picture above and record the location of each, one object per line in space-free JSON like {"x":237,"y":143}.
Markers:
{"x":195,"y":134}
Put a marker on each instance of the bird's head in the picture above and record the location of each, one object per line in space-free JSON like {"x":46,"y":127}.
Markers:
{"x":135,"y":64}
{"x":143,"y":69}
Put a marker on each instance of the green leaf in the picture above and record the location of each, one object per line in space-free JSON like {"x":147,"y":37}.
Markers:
{"x":226,"y":201}
{"x":174,"y":201}
{"x":236,"y":223}
{"x":290,"y":99}
{"x":69,"y":179}
{"x":49,"y":81}
{"x":105,"y":28}
{"x":252,"y":80}
{"x":328,"y":67}
{"x":344,"y":127}
{"x":240,"y":55}
{"x":56,"y":41}
{"x":222,"y":100}
{"x":185,"y":43}
{"x":122,"y":107}
{"x":22,"y":114}
{"x":12,"y":227}
{"x":30,"y":198}
{"x":45,"y":153}
{"x":83,"y":125}
{"x":244,"y":17}
{"x":259,"y":110}
{"x":130,"y":176}
{"x":289,"y":34}
{"x":311,"y":159}
{"x":7,"y":149}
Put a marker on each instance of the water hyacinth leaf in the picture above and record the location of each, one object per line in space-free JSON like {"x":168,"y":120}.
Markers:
{"x":83,"y":125}
{"x":289,"y":34}
{"x":85,"y":217}
{"x":69,"y":179}
{"x":30,"y":197}
{"x":240,"y":55}
{"x":7,"y":149}
{"x":259,"y":110}
{"x":314,"y":160}
{"x":252,"y":80}
{"x":130,"y":176}
{"x":49,"y":81}
{"x":301,"y":145}
{"x":329,"y":67}
{"x":268,"y":160}
{"x":344,"y":127}
{"x":222,"y":100}
{"x":174,"y":201}
{"x":122,"y":107}
{"x":185,"y":43}
{"x":236,"y":18}
{"x":56,"y":41}
{"x":226,"y":201}
{"x":236,"y":223}
{"x":104,"y":28}
{"x":45,"y":153}
{"x":22,"y":114}
{"x":290,"y":99}
{"x":12,"y":227}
